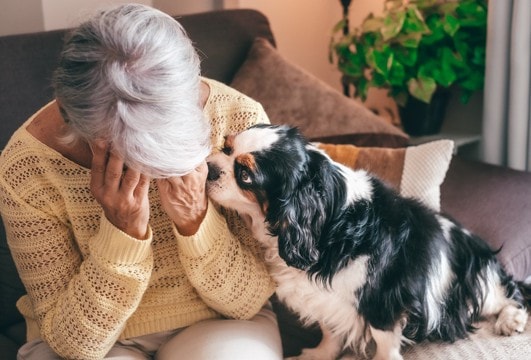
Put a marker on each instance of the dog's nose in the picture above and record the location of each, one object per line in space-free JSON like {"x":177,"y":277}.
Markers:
{"x":213,"y":171}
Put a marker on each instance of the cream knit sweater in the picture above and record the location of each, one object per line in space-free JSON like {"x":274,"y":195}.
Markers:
{"x":90,"y":284}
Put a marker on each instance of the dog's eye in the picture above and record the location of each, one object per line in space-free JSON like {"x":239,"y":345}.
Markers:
{"x":245,"y":177}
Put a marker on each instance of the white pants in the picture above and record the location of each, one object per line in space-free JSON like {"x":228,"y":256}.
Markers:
{"x":257,"y":339}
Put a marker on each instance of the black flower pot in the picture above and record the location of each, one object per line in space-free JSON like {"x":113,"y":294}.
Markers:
{"x":419,"y":118}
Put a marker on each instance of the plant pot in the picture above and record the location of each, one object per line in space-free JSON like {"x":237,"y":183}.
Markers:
{"x":419,"y":118}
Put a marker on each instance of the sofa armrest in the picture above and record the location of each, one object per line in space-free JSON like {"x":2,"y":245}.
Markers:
{"x":495,"y":203}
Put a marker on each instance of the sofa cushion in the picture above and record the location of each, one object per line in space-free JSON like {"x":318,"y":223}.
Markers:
{"x":293,"y":96}
{"x":11,"y":287}
{"x":415,"y":171}
{"x":8,"y":348}
{"x":493,"y":202}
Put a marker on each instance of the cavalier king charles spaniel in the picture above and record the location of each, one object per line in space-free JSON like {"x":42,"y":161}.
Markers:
{"x":349,"y":253}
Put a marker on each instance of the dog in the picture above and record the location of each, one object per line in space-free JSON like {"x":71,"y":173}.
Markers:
{"x":351,"y":254}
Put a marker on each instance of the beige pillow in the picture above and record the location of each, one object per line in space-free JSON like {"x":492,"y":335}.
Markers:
{"x":292,"y":96}
{"x":415,"y":171}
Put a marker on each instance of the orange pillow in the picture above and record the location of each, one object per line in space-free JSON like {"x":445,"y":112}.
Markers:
{"x":415,"y":171}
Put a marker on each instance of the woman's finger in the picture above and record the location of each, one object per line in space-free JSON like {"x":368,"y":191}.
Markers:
{"x":142,"y":186}
{"x":99,"y":163}
{"x":197,"y":177}
{"x":130,"y":180}
{"x":114,"y":171}
{"x":202,"y":168}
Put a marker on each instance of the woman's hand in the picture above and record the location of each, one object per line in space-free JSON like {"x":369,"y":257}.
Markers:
{"x":123,"y":195}
{"x":184,"y":199}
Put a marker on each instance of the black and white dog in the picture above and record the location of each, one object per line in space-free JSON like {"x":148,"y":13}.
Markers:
{"x":351,"y":254}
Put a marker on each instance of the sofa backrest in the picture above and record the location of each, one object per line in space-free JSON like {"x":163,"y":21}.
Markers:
{"x":27,"y":61}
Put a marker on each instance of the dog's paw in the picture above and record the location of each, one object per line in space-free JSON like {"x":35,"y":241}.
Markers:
{"x":510,"y":320}
{"x":313,"y":354}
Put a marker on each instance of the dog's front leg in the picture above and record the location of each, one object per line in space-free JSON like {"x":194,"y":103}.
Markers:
{"x":328,"y":349}
{"x":387,"y":343}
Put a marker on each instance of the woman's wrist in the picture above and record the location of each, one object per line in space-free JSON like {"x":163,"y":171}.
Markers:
{"x":188,"y":226}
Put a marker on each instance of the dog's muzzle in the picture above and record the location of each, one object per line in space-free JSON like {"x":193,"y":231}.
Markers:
{"x":213,"y":172}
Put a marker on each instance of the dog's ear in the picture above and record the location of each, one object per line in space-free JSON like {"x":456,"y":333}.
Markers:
{"x":301,"y":209}
{"x":298,"y":228}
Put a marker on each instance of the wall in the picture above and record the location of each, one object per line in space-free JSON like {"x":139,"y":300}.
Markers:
{"x":303,"y":32}
{"x":17,"y":17}
{"x":59,"y":14}
{"x":181,"y":7}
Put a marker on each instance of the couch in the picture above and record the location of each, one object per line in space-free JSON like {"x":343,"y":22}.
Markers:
{"x":492,"y":201}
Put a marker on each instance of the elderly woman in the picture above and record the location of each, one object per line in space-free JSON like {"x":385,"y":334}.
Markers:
{"x":102,"y":194}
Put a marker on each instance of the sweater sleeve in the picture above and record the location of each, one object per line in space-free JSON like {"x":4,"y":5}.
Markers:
{"x":228,"y":275}
{"x":224,"y":266}
{"x":81,"y":304}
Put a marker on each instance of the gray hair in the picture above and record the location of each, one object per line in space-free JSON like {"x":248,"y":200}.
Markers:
{"x":131,"y":76}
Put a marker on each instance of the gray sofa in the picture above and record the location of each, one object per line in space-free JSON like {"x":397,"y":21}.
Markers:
{"x":494,"y":202}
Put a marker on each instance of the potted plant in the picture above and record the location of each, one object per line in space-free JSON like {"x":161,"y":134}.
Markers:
{"x":417,"y":50}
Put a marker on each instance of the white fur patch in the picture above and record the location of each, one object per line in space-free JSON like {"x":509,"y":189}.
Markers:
{"x":358,"y":183}
{"x":495,"y":299}
{"x":439,"y":279}
{"x":387,"y":343}
{"x":334,"y":308}
{"x":255,"y":139}
{"x":446,"y":226}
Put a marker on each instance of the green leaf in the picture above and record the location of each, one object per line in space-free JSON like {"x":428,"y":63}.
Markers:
{"x":451,"y":25}
{"x":353,"y":63}
{"x":472,"y":8}
{"x":400,"y":98}
{"x":372,"y":24}
{"x":408,"y":57}
{"x":397,"y":74}
{"x":380,"y":60}
{"x":445,"y":76}
{"x":474,"y":81}
{"x":479,"y":55}
{"x":422,"y":88}
{"x":452,"y":59}
{"x":462,"y":47}
{"x":414,"y":22}
{"x":472,"y":13}
{"x":447,"y":7}
{"x":409,"y":40}
{"x":427,"y":68}
{"x":339,"y":26}
{"x":390,"y":5}
{"x":362,"y":88}
{"x":436,"y":26}
{"x":369,"y":39}
{"x":378,"y":80}
{"x":338,"y":48}
{"x":392,"y":25}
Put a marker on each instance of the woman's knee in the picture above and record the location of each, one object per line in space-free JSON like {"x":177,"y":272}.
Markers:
{"x":257,"y":339}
